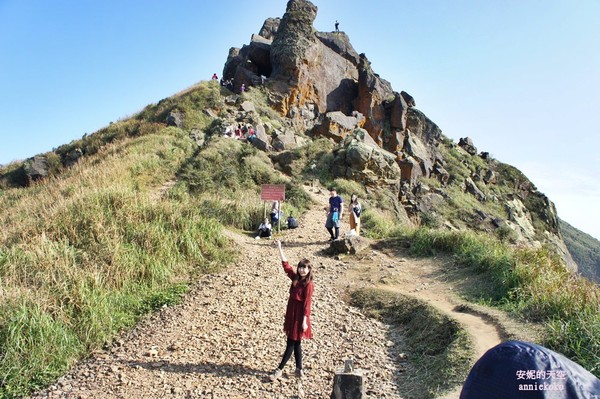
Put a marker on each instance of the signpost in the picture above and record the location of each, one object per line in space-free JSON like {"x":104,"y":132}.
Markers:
{"x":273,"y":192}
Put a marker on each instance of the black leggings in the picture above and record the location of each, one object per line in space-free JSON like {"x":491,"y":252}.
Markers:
{"x":337,"y":232}
{"x":295,"y":346}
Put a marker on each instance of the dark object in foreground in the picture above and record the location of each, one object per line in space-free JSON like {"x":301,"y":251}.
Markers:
{"x":517,"y":369}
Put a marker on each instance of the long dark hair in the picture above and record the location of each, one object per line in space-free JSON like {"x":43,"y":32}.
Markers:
{"x":309,"y":276}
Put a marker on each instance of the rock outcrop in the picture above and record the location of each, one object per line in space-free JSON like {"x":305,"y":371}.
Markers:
{"x":360,"y":159}
{"x":324,"y":87}
{"x":36,"y":168}
{"x":318,"y":80}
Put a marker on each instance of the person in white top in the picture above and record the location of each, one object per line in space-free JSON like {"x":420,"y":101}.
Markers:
{"x":264,"y":230}
{"x":355,"y":211}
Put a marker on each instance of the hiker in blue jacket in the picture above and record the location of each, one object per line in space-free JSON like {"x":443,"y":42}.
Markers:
{"x":334,"y":214}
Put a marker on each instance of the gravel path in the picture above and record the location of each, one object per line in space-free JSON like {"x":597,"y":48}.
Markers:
{"x":226,"y":337}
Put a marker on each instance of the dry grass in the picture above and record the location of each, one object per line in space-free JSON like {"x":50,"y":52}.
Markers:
{"x":83,"y":255}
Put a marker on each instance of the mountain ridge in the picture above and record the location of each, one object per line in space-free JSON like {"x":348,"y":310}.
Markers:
{"x":324,"y":87}
{"x":319,"y":81}
{"x":116,"y":224}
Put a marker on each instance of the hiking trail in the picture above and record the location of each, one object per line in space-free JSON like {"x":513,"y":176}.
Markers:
{"x":226,"y":336}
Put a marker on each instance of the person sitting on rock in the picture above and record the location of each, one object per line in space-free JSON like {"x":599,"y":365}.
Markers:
{"x":292,"y":223}
{"x":238,"y":132}
{"x":251,"y":134}
{"x":264,"y":230}
{"x":297,"y":325}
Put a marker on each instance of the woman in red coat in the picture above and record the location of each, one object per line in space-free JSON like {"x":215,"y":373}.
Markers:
{"x":297,"y":315}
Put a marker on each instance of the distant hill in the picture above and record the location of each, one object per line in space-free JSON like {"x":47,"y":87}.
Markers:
{"x":584,"y":248}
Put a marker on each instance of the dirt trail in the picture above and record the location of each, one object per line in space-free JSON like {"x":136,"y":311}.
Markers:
{"x":226,"y":337}
{"x":421,"y":279}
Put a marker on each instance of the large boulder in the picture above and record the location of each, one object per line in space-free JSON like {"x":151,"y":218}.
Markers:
{"x":339,"y":42}
{"x":422,"y":126}
{"x":307,"y":69}
{"x":258,"y":52}
{"x":175,"y":118}
{"x":349,"y":245}
{"x":467,"y":144}
{"x":410,"y":169}
{"x":489,"y":177}
{"x":72,"y":157}
{"x":399,"y":112}
{"x":269,"y":28}
{"x":198,"y":136}
{"x":248,"y":64}
{"x":36,"y":168}
{"x":364,"y":162}
{"x":472,"y":188}
{"x":410,"y":101}
{"x":284,"y":141}
{"x":247,"y":106}
{"x":442,"y":174}
{"x":374,"y":96}
{"x":519,"y":218}
{"x":261,"y":141}
{"x":416,"y":149}
{"x":337,"y":126}
{"x":562,"y":249}
{"x":234,"y":59}
{"x":287,"y":161}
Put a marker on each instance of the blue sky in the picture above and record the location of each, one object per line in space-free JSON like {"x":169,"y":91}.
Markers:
{"x":520,"y":77}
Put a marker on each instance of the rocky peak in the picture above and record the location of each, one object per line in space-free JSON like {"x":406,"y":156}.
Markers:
{"x":294,"y":39}
{"x":323,"y":87}
{"x":270,"y":28}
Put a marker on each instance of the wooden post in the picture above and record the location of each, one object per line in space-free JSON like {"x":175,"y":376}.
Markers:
{"x":279,"y":216}
{"x":348,"y":383}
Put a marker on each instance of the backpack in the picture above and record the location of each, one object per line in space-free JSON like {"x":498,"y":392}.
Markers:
{"x":292,"y":223}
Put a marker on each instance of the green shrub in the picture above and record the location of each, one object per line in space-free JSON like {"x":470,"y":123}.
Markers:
{"x":347,"y":187}
{"x":506,"y":234}
{"x":431,"y":219}
{"x":376,"y":225}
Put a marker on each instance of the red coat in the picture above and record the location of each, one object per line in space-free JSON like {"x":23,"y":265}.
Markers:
{"x":298,"y":306}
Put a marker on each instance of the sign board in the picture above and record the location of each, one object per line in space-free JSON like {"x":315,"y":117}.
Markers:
{"x":272,"y":192}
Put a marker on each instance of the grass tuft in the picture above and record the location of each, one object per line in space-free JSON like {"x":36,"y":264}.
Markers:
{"x":440,"y":350}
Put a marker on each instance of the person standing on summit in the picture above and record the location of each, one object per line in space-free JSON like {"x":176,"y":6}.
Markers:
{"x":334,"y":214}
{"x":337,"y":26}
